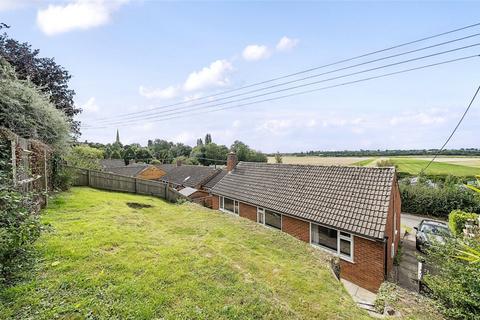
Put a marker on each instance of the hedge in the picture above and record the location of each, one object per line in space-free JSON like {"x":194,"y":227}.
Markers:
{"x":438,"y":201}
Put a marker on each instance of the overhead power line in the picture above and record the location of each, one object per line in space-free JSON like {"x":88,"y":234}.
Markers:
{"x":302,"y":71}
{"x":156,"y":110}
{"x":189,"y":108}
{"x":306,"y":91}
{"x":453,"y":132}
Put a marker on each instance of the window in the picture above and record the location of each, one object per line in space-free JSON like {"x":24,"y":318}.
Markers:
{"x":341,"y":243}
{"x":260,"y":215}
{"x":229,"y":205}
{"x":325,"y":237}
{"x":269,"y":218}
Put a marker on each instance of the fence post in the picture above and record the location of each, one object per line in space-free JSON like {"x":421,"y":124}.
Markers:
{"x":135,"y":182}
{"x":88,"y":178}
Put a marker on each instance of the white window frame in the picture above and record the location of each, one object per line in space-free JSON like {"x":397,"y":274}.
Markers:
{"x":236,"y":206}
{"x":339,"y":236}
{"x":261,"y":213}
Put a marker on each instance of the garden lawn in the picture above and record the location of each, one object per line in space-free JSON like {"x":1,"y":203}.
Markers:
{"x":102,"y":259}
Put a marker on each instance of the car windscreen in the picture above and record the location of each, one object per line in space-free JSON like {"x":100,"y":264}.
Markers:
{"x":435,"y":230}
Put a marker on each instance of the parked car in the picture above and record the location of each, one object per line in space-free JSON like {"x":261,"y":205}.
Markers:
{"x":429,"y":231}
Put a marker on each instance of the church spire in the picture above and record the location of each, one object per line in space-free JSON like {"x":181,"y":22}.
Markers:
{"x":118,"y":137}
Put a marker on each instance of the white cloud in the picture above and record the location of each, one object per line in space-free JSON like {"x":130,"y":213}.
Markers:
{"x":428,"y":117}
{"x":76,"y":15}
{"x":90,"y":106}
{"x":167,"y":93}
{"x":6,"y":5}
{"x":275,"y":126}
{"x":215,"y":75}
{"x":286,"y":43}
{"x":255,"y":52}
{"x":184,"y":137}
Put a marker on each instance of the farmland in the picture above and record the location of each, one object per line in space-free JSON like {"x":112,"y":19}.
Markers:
{"x":111,"y":255}
{"x":459,"y":166}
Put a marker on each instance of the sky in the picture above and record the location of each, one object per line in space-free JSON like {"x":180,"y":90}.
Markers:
{"x":132,"y":56}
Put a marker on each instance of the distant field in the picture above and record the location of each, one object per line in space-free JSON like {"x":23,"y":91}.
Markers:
{"x":458,"y":166}
{"x":324,"y":161}
{"x":415,"y":165}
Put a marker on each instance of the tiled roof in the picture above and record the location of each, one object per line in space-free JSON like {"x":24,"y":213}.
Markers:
{"x":112,"y":163}
{"x":212,"y":182}
{"x":132,"y":170}
{"x":353,"y":199}
{"x":167,"y":167}
{"x":190,"y":175}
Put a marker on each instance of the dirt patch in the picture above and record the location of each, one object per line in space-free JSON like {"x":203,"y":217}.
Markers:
{"x":136,"y":205}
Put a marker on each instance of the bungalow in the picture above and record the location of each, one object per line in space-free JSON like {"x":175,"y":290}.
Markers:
{"x":192,"y":176}
{"x":351,"y":212}
{"x":138,"y":170}
{"x":192,"y":181}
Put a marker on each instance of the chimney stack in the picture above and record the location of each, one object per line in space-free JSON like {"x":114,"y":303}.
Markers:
{"x":179,"y":163}
{"x":231,"y":161}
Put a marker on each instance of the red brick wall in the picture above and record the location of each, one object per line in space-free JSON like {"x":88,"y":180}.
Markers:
{"x":395,"y":204}
{"x":248,"y":211}
{"x":367,"y":268}
{"x":298,"y":228}
{"x":215,"y":202}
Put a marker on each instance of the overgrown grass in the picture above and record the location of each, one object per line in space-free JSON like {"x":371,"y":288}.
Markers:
{"x":105,"y":259}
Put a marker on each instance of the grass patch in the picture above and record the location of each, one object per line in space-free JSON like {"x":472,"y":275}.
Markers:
{"x":105,"y":260}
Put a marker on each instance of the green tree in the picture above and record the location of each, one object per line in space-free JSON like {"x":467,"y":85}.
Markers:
{"x":215,"y":152}
{"x":129,"y":153}
{"x":208,"y":138}
{"x":186,"y":160}
{"x":143,"y":154}
{"x":244,"y":153}
{"x":278,"y":157}
{"x":180,"y":149}
{"x":83,"y":156}
{"x":51,"y":78}
{"x":199,"y":142}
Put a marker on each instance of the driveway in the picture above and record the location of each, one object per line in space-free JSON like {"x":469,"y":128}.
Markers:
{"x":407,"y":271}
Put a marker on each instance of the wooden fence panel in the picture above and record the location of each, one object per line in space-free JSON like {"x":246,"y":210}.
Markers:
{"x":115,"y":182}
{"x":152,"y":188}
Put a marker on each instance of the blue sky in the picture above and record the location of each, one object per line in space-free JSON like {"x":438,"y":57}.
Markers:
{"x":128,"y":56}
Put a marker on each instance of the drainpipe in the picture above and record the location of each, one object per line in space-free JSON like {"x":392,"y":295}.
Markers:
{"x":385,"y":257}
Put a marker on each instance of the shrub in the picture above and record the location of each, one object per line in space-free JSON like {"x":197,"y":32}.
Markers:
{"x":457,"y":220}
{"x":438,"y":201}
{"x":86,"y":157}
{"x":385,"y":163}
{"x":454,"y":283}
{"x":19,"y":225}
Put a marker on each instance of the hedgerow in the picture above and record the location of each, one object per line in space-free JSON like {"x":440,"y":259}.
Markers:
{"x":438,"y":201}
